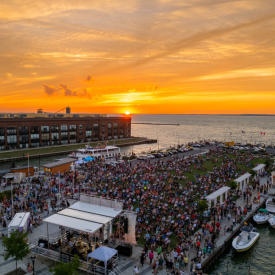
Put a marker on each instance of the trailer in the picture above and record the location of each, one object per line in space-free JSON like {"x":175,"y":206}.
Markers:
{"x":20,"y":222}
{"x":16,"y":178}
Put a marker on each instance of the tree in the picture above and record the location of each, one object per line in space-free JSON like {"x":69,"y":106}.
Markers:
{"x":16,"y":246}
{"x":67,"y":268}
{"x":268,"y":163}
{"x":232,"y":184}
{"x":253,"y":173}
{"x":202,"y":205}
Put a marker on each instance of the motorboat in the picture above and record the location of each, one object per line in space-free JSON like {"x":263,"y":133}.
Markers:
{"x":246,"y":239}
{"x":261,"y":217}
{"x":271,"y":221}
{"x":270,"y":205}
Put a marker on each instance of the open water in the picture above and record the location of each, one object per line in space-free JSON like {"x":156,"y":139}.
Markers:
{"x":249,"y":129}
{"x":260,"y":260}
{"x":252,"y":129}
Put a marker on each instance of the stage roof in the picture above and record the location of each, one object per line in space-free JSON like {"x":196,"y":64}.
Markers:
{"x":73,"y":223}
{"x":96,"y":209}
{"x":85,"y":216}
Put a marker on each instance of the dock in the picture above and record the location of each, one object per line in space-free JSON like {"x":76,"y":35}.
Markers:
{"x":225,"y":239}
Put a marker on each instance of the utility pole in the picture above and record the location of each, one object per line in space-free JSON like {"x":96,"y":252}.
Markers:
{"x":11,"y":199}
{"x":28,"y":166}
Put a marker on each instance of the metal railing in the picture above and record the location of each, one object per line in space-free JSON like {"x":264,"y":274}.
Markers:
{"x":91,"y":268}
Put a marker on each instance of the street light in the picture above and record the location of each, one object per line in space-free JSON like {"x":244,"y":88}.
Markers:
{"x":33,"y":257}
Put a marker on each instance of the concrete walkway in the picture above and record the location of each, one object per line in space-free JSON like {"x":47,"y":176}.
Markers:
{"x":126,"y":265}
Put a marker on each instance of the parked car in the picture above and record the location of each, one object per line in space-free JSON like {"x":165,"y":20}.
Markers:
{"x":142,"y":157}
{"x":150,"y":156}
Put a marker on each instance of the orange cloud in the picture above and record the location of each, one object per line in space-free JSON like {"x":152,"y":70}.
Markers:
{"x":197,"y":56}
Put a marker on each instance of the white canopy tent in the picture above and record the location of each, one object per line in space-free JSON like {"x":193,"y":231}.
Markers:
{"x":220,"y":194}
{"x":243,"y":180}
{"x":104,"y":254}
{"x":259,"y":169}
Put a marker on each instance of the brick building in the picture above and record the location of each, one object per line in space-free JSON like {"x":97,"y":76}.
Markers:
{"x":35,"y":130}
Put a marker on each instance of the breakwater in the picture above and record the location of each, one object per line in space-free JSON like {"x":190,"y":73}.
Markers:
{"x":152,"y":123}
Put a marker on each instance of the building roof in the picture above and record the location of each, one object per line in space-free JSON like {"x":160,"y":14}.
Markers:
{"x":13,"y":175}
{"x":258,"y":167}
{"x":58,"y":163}
{"x":243,"y":177}
{"x":217,"y":193}
{"x":22,"y":167}
{"x":59,"y":115}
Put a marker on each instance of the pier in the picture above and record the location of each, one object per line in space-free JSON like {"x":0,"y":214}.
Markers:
{"x":152,"y":123}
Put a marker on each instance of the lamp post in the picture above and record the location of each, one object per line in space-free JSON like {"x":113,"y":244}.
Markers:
{"x":33,"y":257}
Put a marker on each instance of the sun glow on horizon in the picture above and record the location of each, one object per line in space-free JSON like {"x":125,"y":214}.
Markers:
{"x":128,"y":64}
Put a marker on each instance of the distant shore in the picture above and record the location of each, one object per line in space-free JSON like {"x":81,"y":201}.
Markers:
{"x":207,"y":114}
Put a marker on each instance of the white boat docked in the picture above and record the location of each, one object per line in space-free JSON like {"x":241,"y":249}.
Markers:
{"x":246,"y":239}
{"x":270,"y":205}
{"x":271,"y":221}
{"x":261,"y":217}
{"x":97,"y":152}
{"x":271,"y":191}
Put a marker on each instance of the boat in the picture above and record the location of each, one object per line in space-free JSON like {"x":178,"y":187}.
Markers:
{"x":261,"y":217}
{"x":271,"y":221}
{"x":270,"y":205}
{"x":246,"y":239}
{"x":97,"y":152}
{"x":271,"y":191}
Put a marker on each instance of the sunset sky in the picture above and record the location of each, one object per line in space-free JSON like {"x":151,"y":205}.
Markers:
{"x":142,"y":56}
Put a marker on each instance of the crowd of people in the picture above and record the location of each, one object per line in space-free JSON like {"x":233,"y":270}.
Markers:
{"x":165,"y":194}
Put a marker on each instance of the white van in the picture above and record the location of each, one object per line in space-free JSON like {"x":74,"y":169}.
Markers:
{"x":20,"y":222}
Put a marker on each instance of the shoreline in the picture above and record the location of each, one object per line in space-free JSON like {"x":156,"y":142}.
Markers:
{"x":38,"y":152}
{"x":209,"y":261}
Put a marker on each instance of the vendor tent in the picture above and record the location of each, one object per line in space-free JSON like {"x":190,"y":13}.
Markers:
{"x":88,"y":159}
{"x":79,"y":162}
{"x":103,"y":254}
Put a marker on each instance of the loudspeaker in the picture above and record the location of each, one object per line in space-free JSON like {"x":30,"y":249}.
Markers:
{"x":126,"y":225}
{"x":125,"y":250}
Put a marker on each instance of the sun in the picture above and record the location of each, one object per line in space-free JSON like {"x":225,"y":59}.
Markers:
{"x":127,"y":113}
